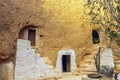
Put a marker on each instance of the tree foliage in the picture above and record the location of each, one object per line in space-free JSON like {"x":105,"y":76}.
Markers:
{"x":107,"y":14}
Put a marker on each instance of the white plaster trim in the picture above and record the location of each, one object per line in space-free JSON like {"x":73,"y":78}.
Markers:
{"x":70,"y":52}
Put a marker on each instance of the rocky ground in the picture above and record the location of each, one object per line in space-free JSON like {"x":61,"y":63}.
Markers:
{"x":75,"y":77}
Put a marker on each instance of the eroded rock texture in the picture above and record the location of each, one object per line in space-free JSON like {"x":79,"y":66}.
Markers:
{"x":7,"y":71}
{"x":14,"y":15}
{"x":60,"y":25}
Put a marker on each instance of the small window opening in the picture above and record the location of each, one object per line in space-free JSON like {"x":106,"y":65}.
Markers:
{"x":95,"y":37}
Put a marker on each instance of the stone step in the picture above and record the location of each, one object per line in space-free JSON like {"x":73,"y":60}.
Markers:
{"x":117,"y":62}
{"x":90,"y":56}
{"x":30,"y":65}
{"x":88,"y":61}
{"x":88,"y":68}
{"x":85,"y":77}
{"x":116,"y":59}
{"x":23,"y":44}
{"x":87,"y":71}
{"x":67,"y":74}
{"x":72,"y":77}
{"x":87,"y":64}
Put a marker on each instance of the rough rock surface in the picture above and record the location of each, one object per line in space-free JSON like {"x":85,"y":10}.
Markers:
{"x":14,"y":15}
{"x":54,"y":21}
{"x":59,"y":22}
{"x":60,"y":25}
{"x":6,"y":69}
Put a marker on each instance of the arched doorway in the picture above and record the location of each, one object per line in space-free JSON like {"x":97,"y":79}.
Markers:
{"x":95,"y":37}
{"x":28,"y":33}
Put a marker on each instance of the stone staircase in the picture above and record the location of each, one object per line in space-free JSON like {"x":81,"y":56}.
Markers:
{"x":29,"y":65}
{"x":105,"y":59}
{"x":88,"y":62}
{"x":71,"y":77}
{"x":87,"y":65}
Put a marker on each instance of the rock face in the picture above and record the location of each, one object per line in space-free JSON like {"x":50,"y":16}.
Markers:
{"x":29,"y":65}
{"x":57,"y":28}
{"x":15,"y":15}
{"x":107,"y":63}
{"x":59,"y":25}
{"x":7,"y":71}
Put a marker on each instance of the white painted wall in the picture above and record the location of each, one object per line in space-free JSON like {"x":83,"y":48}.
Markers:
{"x":70,"y":52}
{"x":29,"y":65}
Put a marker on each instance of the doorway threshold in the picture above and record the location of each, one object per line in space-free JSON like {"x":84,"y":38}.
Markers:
{"x":67,"y":73}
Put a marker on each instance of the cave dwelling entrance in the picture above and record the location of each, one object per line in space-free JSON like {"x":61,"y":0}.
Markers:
{"x":66,"y":61}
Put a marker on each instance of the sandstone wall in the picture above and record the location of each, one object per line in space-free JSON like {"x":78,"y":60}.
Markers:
{"x":7,"y":71}
{"x":67,"y":28}
{"x":14,"y":15}
{"x":61,"y":24}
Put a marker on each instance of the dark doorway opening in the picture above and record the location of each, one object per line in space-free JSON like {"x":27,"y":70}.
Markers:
{"x":66,"y":63}
{"x":95,"y":37}
{"x":32,"y":36}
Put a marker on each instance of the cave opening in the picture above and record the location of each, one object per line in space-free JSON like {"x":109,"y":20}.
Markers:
{"x":95,"y":37}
